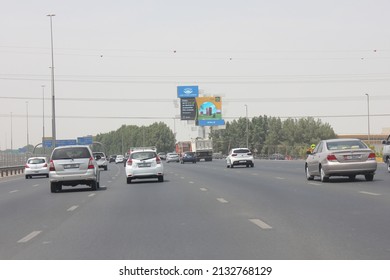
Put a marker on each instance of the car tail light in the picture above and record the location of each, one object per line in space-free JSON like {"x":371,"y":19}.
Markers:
{"x":52,"y":168}
{"x":90,"y":163}
{"x":129,"y":162}
{"x":45,"y":165}
{"x":158,"y":160}
{"x":372,"y":156}
{"x":26,"y":166}
{"x":331,"y":158}
{"x":234,"y":155}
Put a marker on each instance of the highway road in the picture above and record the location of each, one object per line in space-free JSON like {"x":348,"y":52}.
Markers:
{"x":202,"y":211}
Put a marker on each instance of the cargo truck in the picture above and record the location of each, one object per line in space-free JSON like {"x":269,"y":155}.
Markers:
{"x":203,"y":148}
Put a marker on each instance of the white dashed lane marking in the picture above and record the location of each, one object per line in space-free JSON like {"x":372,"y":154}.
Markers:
{"x":260,"y":223}
{"x":370,"y":193}
{"x":92,"y":194}
{"x":222,"y":200}
{"x":14,"y":191}
{"x":29,"y":237}
{"x":203,"y":189}
{"x":74,"y":207}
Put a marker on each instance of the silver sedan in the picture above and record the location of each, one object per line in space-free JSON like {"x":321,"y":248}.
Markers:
{"x":341,"y":157}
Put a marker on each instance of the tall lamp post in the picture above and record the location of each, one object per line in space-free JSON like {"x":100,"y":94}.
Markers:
{"x":43,"y":117}
{"x":28,"y":140}
{"x":52,"y":85}
{"x":368,"y":116}
{"x":247,"y":129}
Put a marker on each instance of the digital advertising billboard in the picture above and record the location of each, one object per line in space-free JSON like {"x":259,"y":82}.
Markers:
{"x":209,"y":111}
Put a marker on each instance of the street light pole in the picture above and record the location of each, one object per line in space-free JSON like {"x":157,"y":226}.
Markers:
{"x":28,"y":140}
{"x":247,"y":129}
{"x":43,"y":117}
{"x":368,"y":116}
{"x":12,"y":147}
{"x":52,"y":86}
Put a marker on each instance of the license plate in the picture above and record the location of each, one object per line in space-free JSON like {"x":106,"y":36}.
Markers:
{"x":144,"y":164}
{"x":242,"y":161}
{"x":351,"y":157}
{"x":70,"y":166}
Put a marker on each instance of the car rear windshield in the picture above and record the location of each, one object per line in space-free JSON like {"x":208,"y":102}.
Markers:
{"x":68,"y":153}
{"x":345,"y":145}
{"x":36,"y":161}
{"x":241,"y":151}
{"x":143,"y":155}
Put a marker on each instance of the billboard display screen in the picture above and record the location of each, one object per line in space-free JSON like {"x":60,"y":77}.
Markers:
{"x":187,"y":91}
{"x":188,"y":109}
{"x":209,"y":111}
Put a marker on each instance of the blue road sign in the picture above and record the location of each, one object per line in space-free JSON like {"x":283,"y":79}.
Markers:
{"x":87,"y":140}
{"x":66,"y":142}
{"x":187,"y":91}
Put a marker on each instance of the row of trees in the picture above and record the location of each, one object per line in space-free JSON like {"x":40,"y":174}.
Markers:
{"x":266,"y":135}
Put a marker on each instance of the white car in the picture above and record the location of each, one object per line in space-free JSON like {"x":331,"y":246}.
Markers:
{"x":239,"y":156}
{"x":36,"y":166}
{"x":119,"y":159}
{"x":144,"y":165}
{"x":101,"y":160}
{"x":172,"y":157}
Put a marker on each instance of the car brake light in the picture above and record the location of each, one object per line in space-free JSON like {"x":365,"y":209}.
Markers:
{"x":90,"y":163}
{"x":158,"y":160}
{"x":372,"y":156}
{"x":45,"y":165}
{"x":129,"y":162}
{"x":331,"y":158}
{"x":234,"y":155}
{"x":26,"y":166}
{"x":52,"y":168}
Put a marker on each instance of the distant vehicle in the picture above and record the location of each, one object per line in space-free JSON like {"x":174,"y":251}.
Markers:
{"x":119,"y":159}
{"x":277,"y":157}
{"x":112,"y":158}
{"x":239,"y":156}
{"x":72,"y":166}
{"x":144,"y":164}
{"x":386,"y":150}
{"x":341,"y":157}
{"x":188,"y":157}
{"x":102,"y":161}
{"x":162,"y":155}
{"x":203,"y":148}
{"x":172,"y":157}
{"x":36,"y":166}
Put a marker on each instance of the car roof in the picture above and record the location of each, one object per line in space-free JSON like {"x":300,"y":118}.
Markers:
{"x":342,"y":139}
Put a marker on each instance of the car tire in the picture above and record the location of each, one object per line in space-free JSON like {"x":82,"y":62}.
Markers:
{"x":252,"y":165}
{"x":94,"y":185}
{"x":105,"y":168}
{"x":369,"y":177}
{"x":161,"y":178}
{"x":388,"y":167}
{"x":128,"y":180}
{"x":26,"y":176}
{"x":55,"y":187}
{"x":352,"y":178}
{"x":308,"y":176}
{"x":47,"y":175}
{"x":324,"y":178}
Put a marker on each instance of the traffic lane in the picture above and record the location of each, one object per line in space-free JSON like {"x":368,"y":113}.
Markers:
{"x":152,"y":220}
{"x":33,"y":209}
{"x":330,"y":216}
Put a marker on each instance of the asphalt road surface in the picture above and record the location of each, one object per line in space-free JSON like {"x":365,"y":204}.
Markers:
{"x":201,"y":211}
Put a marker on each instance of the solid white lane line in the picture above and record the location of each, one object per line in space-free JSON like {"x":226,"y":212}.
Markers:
{"x":222,"y":200}
{"x":74,"y":207}
{"x":260,"y":223}
{"x":370,"y":193}
{"x":203,"y":189}
{"x":92,"y":194}
{"x":29,"y":237}
{"x":14,"y":191}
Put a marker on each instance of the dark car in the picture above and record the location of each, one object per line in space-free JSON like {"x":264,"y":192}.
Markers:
{"x":188,"y":157}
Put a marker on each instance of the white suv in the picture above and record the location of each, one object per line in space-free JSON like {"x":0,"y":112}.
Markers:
{"x":239,"y":156}
{"x":101,"y":159}
{"x":72,"y":166}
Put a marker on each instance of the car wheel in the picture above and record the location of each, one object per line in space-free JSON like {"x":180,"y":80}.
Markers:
{"x":388,"y":167}
{"x":308,"y":176}
{"x":252,"y":165}
{"x":26,"y":176}
{"x":47,"y":175}
{"x":105,"y":168}
{"x":324,"y":178}
{"x":369,"y":177}
{"x":161,"y":178}
{"x":55,"y":187}
{"x":94,"y":185}
{"x":128,"y":180}
{"x":352,"y":177}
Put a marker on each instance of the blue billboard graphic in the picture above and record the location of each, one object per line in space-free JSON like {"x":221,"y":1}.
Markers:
{"x":211,"y":122}
{"x":187,"y":91}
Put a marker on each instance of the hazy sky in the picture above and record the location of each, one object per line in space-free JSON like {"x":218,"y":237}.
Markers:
{"x":120,"y":62}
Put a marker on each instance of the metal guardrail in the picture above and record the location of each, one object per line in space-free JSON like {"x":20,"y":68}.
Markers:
{"x":11,"y":170}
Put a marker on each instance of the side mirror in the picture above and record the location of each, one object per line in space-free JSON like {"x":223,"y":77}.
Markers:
{"x":384,"y":142}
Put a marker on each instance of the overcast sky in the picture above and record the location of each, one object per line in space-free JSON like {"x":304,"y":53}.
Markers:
{"x":120,"y":62}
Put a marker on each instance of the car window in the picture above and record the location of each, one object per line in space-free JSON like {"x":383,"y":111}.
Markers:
{"x":69,"y":153}
{"x":241,"y":151}
{"x":36,"y":161}
{"x":143,"y":155}
{"x":343,"y":145}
